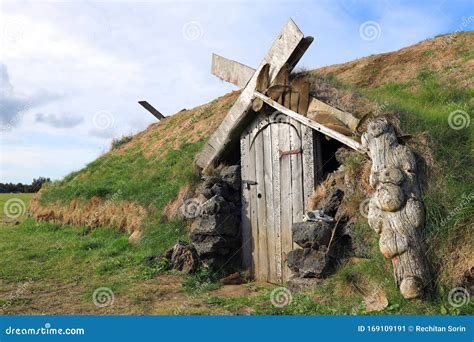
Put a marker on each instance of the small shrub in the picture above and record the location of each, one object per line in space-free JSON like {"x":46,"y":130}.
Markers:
{"x":116,"y":143}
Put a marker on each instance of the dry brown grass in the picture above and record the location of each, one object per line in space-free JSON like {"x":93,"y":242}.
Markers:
{"x":187,"y":126}
{"x":123,"y":215}
{"x":449,"y":60}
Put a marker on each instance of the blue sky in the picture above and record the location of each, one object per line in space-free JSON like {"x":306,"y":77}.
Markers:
{"x":71,"y":72}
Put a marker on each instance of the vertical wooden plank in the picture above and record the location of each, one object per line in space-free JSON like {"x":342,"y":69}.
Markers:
{"x":285,"y":197}
{"x":308,"y":163}
{"x":276,"y":199}
{"x":261,"y":209}
{"x":318,"y":157}
{"x":268,"y":174}
{"x":253,"y":209}
{"x":296,"y":161}
{"x":245,"y":217}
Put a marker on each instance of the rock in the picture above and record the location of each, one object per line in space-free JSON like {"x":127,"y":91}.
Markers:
{"x":331,"y":201}
{"x":231,"y":176}
{"x":216,"y":262}
{"x":184,"y":257}
{"x":308,"y":263}
{"x":375,"y":300}
{"x":206,"y":192}
{"x":134,"y":239}
{"x":316,"y":264}
{"x":312,"y":234}
{"x":211,"y":245}
{"x":181,"y":257}
{"x":214,"y":205}
{"x":221,"y":189}
{"x":358,"y":246}
{"x":220,"y":224}
{"x":209,"y":181}
{"x":294,"y":259}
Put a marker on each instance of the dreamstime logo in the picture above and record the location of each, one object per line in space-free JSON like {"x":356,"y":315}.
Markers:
{"x":452,"y":37}
{"x":364,"y":207}
{"x":192,"y":30}
{"x":191,"y":208}
{"x":459,"y":119}
{"x":102,"y":209}
{"x":370,"y":30}
{"x":17,"y":294}
{"x":466,"y":199}
{"x":14,"y":208}
{"x":103,"y":297}
{"x":281,"y":297}
{"x":278,"y":116}
{"x":103,"y":120}
{"x":181,"y":310}
{"x":13,"y":30}
{"x":458,"y":297}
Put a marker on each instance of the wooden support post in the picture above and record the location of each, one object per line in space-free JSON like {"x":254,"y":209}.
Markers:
{"x":396,"y":210}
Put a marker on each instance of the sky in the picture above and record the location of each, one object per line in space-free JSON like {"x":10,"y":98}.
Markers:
{"x":71,"y":72}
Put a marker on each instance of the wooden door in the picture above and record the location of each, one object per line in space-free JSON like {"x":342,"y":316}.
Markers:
{"x":277,"y":178}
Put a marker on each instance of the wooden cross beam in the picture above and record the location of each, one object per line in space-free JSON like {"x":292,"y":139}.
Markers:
{"x":152,"y":110}
{"x":288,"y":48}
{"x":311,"y":123}
{"x":239,"y":74}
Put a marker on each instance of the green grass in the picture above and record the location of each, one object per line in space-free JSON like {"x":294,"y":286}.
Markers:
{"x":424,"y":105}
{"x":149,"y":182}
{"x":35,"y":251}
{"x":146,"y":181}
{"x":13,"y":206}
{"x":54,"y":254}
{"x":116,"y":143}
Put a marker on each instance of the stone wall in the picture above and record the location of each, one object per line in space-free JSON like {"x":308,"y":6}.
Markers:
{"x":216,"y":231}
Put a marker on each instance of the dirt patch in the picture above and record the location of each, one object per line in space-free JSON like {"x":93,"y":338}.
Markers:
{"x":233,"y":291}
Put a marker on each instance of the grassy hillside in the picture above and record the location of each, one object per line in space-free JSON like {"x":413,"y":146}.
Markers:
{"x":148,"y":170}
{"x":424,"y":103}
{"x":421,"y":84}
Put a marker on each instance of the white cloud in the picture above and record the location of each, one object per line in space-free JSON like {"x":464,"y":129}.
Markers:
{"x":58,"y":121}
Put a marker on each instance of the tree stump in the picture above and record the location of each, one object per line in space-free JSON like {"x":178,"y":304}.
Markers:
{"x":396,"y":210}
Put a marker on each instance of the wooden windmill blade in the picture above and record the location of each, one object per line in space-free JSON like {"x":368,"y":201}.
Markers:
{"x":152,"y":110}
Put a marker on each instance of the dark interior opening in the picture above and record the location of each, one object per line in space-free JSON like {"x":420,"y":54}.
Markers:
{"x":328,"y":153}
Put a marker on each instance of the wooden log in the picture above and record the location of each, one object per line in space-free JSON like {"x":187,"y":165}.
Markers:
{"x":319,"y":107}
{"x":396,"y":210}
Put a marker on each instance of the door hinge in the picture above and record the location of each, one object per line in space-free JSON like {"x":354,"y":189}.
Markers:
{"x":285,"y":153}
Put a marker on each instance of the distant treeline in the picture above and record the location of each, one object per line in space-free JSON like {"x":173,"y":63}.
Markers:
{"x":35,"y":186}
